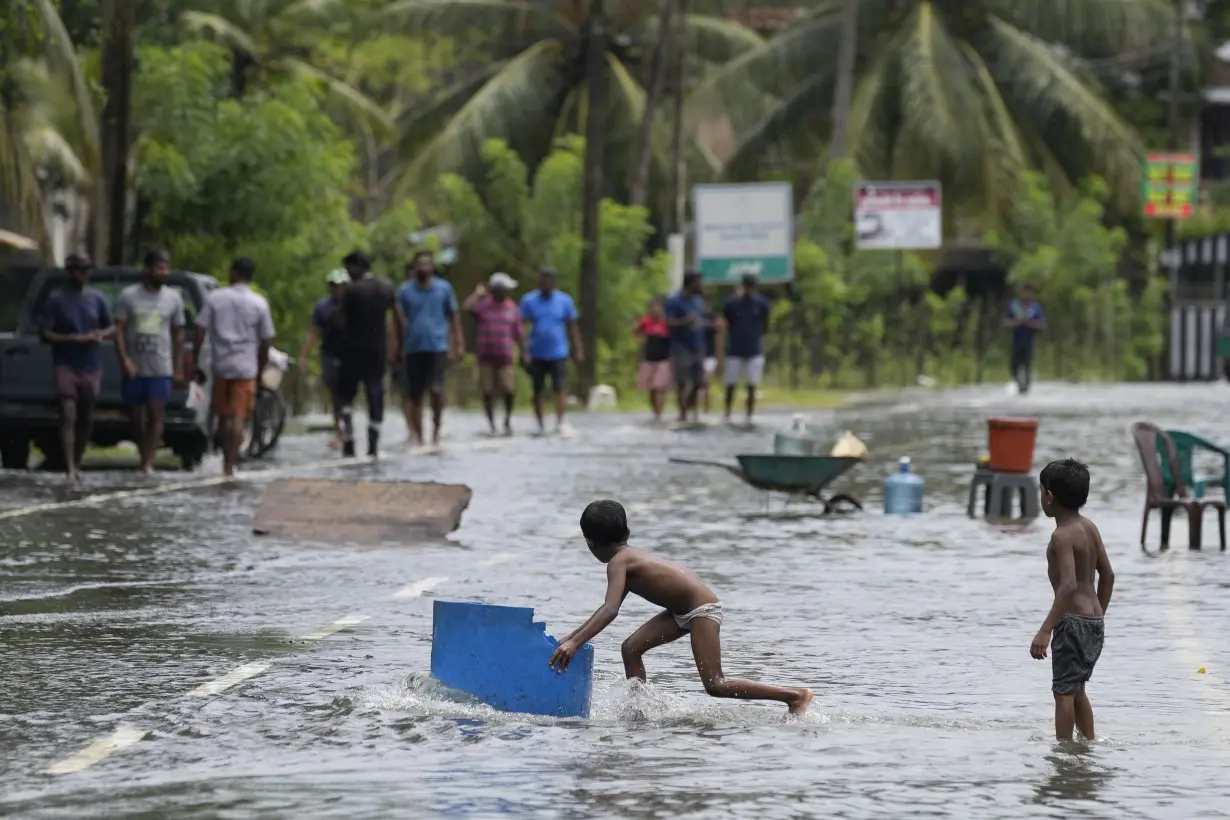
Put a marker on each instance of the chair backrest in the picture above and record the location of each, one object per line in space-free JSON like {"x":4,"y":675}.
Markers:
{"x":1185,"y":445}
{"x":1151,"y":443}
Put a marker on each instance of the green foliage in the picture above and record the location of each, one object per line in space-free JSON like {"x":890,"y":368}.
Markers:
{"x":511,"y":223}
{"x":264,"y":176}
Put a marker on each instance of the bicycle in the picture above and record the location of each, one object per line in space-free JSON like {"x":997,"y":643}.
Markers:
{"x":265,"y":424}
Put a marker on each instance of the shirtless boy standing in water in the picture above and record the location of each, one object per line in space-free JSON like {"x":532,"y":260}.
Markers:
{"x":689,"y":607}
{"x":1074,"y":626}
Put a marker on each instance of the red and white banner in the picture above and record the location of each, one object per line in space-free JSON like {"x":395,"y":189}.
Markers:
{"x":898,"y":215}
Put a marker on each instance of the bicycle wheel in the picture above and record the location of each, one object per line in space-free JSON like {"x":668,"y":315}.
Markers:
{"x":266,"y":424}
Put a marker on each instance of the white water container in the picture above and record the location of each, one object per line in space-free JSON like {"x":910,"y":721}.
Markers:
{"x":797,"y":440}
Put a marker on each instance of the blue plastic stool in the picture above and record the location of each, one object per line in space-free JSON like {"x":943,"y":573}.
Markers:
{"x":499,"y":654}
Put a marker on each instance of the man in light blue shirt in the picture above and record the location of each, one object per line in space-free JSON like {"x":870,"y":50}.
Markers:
{"x":1025,"y":317}
{"x":428,"y":307}
{"x":685,"y":316}
{"x":552,"y":318}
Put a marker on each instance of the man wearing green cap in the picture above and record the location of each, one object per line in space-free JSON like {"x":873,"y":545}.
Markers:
{"x":326,"y":324}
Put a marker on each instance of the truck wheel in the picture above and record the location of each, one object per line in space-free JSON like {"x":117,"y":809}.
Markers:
{"x":15,"y":453}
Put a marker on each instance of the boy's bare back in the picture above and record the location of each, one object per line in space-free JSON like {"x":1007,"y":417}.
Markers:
{"x":670,"y":586}
{"x":1079,"y":542}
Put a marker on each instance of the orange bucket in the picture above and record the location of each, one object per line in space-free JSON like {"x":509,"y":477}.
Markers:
{"x":1012,"y":444}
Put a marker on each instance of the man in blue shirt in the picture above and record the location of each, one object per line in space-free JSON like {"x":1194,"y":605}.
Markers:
{"x":1025,"y":317}
{"x":685,"y":316}
{"x":75,"y":320}
{"x":433,"y":338}
{"x":551,"y":318}
{"x":327,"y":327}
{"x":747,"y":320}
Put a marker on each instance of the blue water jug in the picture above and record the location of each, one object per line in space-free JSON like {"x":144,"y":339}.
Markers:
{"x":903,"y":491}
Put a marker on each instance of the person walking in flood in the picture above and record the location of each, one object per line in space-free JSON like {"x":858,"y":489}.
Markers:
{"x":239,"y":327}
{"x":552,"y":319}
{"x":1082,"y":579}
{"x":76,"y":320}
{"x":497,"y":344}
{"x":688,"y":608}
{"x":746,"y":315}
{"x":428,"y":309}
{"x":653,"y":375}
{"x":366,"y":304}
{"x":1025,"y":317}
{"x":685,"y":316}
{"x":326,"y":327}
{"x":149,"y":338}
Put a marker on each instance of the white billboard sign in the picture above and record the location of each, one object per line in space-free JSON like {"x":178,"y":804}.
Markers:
{"x":898,"y":215}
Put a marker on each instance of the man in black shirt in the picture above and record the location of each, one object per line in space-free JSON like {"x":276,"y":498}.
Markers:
{"x":366,"y":305}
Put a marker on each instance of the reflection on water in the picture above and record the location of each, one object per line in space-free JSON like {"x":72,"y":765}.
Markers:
{"x":1075,"y":774}
{"x":914,"y":634}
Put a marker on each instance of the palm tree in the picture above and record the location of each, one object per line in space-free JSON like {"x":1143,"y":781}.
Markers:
{"x":271,"y":37}
{"x":48,"y":134}
{"x":970,"y":93}
{"x":539,"y":91}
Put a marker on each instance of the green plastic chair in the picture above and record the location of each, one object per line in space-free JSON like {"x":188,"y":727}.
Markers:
{"x":1185,"y":445}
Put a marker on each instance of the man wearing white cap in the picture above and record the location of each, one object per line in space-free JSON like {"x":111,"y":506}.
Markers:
{"x":498,"y":343}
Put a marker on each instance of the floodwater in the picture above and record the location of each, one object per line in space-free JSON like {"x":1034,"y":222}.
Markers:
{"x":914,"y":634}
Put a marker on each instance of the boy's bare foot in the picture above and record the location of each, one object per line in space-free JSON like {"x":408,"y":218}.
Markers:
{"x":799,"y":706}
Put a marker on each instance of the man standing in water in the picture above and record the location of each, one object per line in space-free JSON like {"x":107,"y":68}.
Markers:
{"x":149,"y":338}
{"x":75,"y":321}
{"x":747,"y":321}
{"x":685,"y":316}
{"x":327,"y":327}
{"x":366,"y":304}
{"x":428,"y":306}
{"x":240,"y":328}
{"x":1074,"y":626}
{"x":552,"y":318}
{"x":498,"y":343}
{"x":1025,"y":317}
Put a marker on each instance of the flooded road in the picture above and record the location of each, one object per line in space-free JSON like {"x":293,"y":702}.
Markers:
{"x":171,"y":664}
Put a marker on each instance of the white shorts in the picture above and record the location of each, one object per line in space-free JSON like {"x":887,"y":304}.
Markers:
{"x":751,"y":370}
{"x":710,"y":365}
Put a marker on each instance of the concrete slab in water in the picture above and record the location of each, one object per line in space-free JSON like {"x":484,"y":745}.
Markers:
{"x":360,"y":512}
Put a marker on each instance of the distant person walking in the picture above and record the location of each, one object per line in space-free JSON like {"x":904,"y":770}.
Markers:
{"x":366,"y":304}
{"x":654,"y":373}
{"x":552,"y":317}
{"x":239,"y":327}
{"x":1025,"y":317}
{"x":747,"y":320}
{"x":327,"y":327}
{"x":75,"y":320}
{"x":149,"y":338}
{"x":428,"y":306}
{"x":685,"y":316}
{"x":498,"y":343}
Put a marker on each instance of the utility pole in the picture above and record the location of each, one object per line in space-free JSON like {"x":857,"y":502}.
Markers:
{"x":591,"y":196}
{"x":679,"y":186}
{"x":118,"y":57}
{"x":1173,"y":126}
{"x":847,"y":54}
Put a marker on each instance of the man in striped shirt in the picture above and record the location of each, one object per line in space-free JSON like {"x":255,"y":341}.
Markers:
{"x":498,"y":344}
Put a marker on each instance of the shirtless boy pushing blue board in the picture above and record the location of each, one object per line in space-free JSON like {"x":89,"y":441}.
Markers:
{"x":1074,"y":627}
{"x":689,"y":607}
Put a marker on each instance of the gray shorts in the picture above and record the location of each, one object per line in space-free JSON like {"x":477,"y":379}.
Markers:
{"x":1076,"y":645}
{"x":688,"y":367}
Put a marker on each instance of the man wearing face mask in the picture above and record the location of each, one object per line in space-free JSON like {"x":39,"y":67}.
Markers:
{"x":428,"y":307}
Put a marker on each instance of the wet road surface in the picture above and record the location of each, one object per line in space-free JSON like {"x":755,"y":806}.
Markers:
{"x":168,"y":663}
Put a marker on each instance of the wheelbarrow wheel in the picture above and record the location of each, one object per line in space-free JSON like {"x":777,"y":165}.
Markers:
{"x":838,"y":502}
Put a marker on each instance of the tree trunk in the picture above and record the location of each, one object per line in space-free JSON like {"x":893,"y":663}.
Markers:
{"x":117,"y":56}
{"x":678,"y":190}
{"x":643,"y":153}
{"x":595,"y":125}
{"x":843,"y":94}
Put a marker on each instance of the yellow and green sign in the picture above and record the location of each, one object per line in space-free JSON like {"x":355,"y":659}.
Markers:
{"x":1169,"y":186}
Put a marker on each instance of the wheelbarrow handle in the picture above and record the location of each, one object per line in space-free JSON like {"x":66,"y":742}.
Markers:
{"x":730,"y":468}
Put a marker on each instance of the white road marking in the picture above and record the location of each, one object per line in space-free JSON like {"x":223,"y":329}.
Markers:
{"x":236,"y":675}
{"x":499,"y":558}
{"x":335,"y":627}
{"x":417,"y":588}
{"x":98,"y":750}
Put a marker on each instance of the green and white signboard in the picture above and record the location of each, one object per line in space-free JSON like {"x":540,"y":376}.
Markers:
{"x":743,"y":229}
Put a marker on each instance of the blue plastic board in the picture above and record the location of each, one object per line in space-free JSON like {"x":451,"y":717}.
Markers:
{"x":499,"y":655}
